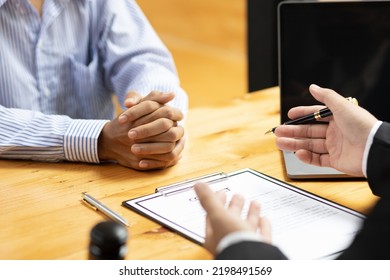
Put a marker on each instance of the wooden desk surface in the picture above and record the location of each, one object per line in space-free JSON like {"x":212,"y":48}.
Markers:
{"x":42,"y":216}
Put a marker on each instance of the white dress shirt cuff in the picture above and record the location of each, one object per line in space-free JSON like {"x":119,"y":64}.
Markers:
{"x":370,"y":139}
{"x":81,"y":140}
{"x":237,"y":237}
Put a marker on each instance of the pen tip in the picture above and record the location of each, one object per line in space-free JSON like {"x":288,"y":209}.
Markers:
{"x":269,"y":131}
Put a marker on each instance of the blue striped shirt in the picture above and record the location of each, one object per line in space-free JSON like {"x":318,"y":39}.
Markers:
{"x":58,"y":73}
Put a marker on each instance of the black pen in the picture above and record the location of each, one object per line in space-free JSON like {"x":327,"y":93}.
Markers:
{"x":323,"y":113}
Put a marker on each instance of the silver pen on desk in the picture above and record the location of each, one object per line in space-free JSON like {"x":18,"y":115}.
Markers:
{"x":98,"y":206}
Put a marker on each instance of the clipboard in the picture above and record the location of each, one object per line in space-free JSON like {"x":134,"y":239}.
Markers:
{"x":304,"y":225}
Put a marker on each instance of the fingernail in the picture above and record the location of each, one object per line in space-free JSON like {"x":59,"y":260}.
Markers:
{"x":315,"y":87}
{"x":130,"y":100}
{"x":136,"y":149}
{"x":132,"y":134}
{"x":122,"y":119}
{"x":143,"y":164}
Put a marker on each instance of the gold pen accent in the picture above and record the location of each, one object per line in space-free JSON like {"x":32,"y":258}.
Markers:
{"x":317,"y":116}
{"x":323,"y":113}
{"x":270,"y":131}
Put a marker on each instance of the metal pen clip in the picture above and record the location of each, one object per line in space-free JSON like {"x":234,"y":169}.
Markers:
{"x":87,"y":203}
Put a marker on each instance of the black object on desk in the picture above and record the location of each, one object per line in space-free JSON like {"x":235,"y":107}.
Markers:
{"x":108,"y":241}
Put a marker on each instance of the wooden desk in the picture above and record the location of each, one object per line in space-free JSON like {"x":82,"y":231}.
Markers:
{"x":42,"y":216}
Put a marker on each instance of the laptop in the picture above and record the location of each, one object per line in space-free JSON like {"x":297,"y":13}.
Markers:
{"x":343,"y":45}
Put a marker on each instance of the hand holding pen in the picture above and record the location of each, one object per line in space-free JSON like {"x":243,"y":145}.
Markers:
{"x":323,"y":113}
{"x":339,"y":144}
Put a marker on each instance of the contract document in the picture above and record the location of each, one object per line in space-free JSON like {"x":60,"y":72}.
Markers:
{"x":304,"y":226}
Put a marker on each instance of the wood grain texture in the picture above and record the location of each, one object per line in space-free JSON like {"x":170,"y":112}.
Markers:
{"x":41,"y":213}
{"x":42,"y":216}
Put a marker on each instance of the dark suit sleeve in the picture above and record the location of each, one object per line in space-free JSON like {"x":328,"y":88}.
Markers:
{"x":378,"y":162}
{"x":373,"y":241}
{"x":251,"y":250}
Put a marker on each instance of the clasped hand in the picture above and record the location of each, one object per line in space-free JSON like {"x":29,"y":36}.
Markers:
{"x":146,"y":135}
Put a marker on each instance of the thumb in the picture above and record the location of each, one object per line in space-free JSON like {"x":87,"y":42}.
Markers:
{"x":329,"y":97}
{"x":160,"y":97}
{"x":132,"y":98}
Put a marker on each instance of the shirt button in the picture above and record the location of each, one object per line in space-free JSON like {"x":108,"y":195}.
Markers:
{"x":40,"y":45}
{"x":46,"y":92}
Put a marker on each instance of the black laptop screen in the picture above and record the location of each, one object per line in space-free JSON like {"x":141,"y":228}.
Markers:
{"x":340,"y":45}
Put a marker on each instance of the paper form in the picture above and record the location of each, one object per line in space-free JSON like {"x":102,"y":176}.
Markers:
{"x":304,"y":226}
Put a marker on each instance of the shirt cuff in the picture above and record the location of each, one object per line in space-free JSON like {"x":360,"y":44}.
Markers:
{"x":237,"y":237}
{"x":370,"y":139}
{"x":81,"y":140}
